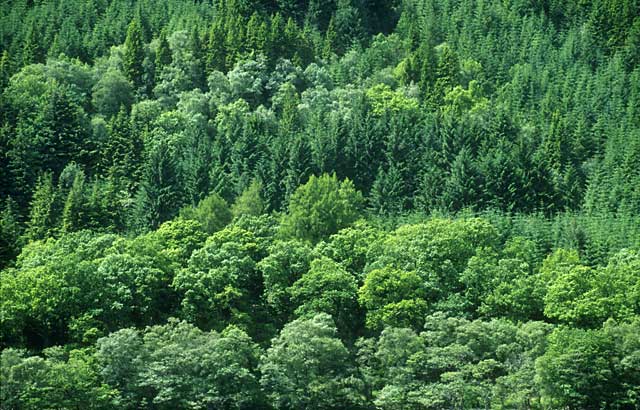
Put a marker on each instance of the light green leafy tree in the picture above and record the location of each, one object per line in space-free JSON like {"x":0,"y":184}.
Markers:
{"x":321,"y":207}
{"x":393,"y":297}
{"x":307,"y":366}
{"x":327,"y":287}
{"x":179,"y":366}
{"x":212,"y":213}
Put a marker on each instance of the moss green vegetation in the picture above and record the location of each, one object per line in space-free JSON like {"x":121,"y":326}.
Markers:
{"x":345,"y":204}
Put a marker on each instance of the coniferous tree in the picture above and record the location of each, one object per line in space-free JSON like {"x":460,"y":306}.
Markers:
{"x":197,"y":53}
{"x":5,"y":69}
{"x":10,"y":231}
{"x":42,"y":221}
{"x":163,"y":53}
{"x":256,"y":34}
{"x":160,"y":195}
{"x":276,"y":34}
{"x":32,"y":49}
{"x":348,"y":25}
{"x":122,"y":152}
{"x":73,"y":213}
{"x":216,"y":50}
{"x":134,"y":54}
{"x":387,"y":194}
{"x":330,"y":40}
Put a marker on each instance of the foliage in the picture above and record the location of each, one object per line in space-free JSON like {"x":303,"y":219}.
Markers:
{"x":307,"y":365}
{"x":320,"y":208}
{"x":406,"y":204}
{"x":178,"y":365}
{"x":212,"y":213}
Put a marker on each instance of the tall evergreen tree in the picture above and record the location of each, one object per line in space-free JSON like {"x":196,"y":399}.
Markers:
{"x":122,"y":152}
{"x":32,"y":49}
{"x":134,"y":54}
{"x":10,"y":231}
{"x":5,"y":69}
{"x":42,"y":221}
{"x":216,"y":50}
{"x":163,"y":53}
{"x":160,"y":195}
{"x":73,"y":213}
{"x":330,"y":40}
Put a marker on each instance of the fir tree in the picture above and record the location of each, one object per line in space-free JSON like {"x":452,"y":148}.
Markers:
{"x":330,"y":40}
{"x":10,"y":231}
{"x":163,"y":53}
{"x":216,"y":50}
{"x":160,"y":196}
{"x":275,"y":48}
{"x":122,"y":151}
{"x":32,"y":51}
{"x":42,"y":215}
{"x":133,"y":58}
{"x":388,"y":192}
{"x":73,"y":213}
{"x":5,"y":70}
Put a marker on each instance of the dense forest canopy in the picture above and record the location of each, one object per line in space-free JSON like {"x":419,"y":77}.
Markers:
{"x":343,"y":204}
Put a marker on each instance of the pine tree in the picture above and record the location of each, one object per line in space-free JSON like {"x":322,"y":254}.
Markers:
{"x":9,"y":233}
{"x":290,"y":119}
{"x":234,"y":42}
{"x":426,"y":63}
{"x":163,"y":53}
{"x":160,"y":195}
{"x":42,"y":215}
{"x":330,"y":40}
{"x":275,"y":49}
{"x":313,"y":16}
{"x":348,"y":26}
{"x":461,"y":188}
{"x":65,"y":125}
{"x":447,"y":73}
{"x":291,"y":8}
{"x":68,"y":42}
{"x":256,"y":34}
{"x":5,"y":70}
{"x":198,"y":55}
{"x":134,"y":54}
{"x":216,"y":50}
{"x":291,"y":38}
{"x":73,"y":213}
{"x":298,"y":164}
{"x":32,"y":49}
{"x":388,"y":194}
{"x":122,"y":152}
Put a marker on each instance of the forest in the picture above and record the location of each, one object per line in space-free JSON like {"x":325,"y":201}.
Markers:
{"x":320,"y":204}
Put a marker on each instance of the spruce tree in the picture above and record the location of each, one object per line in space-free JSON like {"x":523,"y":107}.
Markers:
{"x":348,"y":26}
{"x":5,"y":70}
{"x":275,"y":48}
{"x":32,"y":49}
{"x":42,"y":215}
{"x":160,"y":195}
{"x":388,"y":194}
{"x":216,"y":50}
{"x":163,"y":53}
{"x":9,"y":233}
{"x":122,"y":151}
{"x":198,"y":55}
{"x":255,"y":38}
{"x":330,"y":40}
{"x":234,"y":39}
{"x":134,"y":54}
{"x":73,"y":213}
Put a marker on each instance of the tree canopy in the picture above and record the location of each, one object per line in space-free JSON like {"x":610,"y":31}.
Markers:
{"x":341,"y":204}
